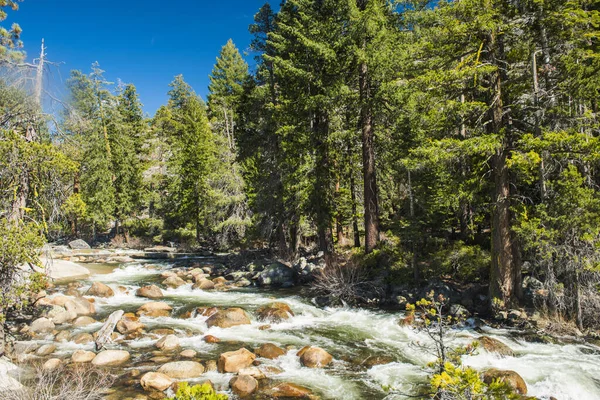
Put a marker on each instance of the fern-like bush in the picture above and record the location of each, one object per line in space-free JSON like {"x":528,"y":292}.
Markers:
{"x":197,"y":392}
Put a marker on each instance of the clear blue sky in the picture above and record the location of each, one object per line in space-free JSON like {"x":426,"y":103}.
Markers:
{"x":144,"y":42}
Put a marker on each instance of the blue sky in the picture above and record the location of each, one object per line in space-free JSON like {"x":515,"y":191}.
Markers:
{"x":144,"y":42}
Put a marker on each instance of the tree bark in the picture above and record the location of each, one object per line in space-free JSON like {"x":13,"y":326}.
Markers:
{"x":355,"y":230}
{"x":505,"y":275}
{"x":369,"y":170}
{"x":321,"y":201}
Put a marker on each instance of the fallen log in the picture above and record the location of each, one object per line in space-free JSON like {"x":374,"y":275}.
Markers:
{"x":107,"y":329}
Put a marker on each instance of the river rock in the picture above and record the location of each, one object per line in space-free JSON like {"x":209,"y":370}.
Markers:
{"x":45,"y":350}
{"x":82,"y":356}
{"x":219,"y":280}
{"x":82,"y":338}
{"x":511,"y":378}
{"x":155,"y":309}
{"x":270,"y":351}
{"x":277,"y":274}
{"x":53,"y":311}
{"x":204,"y":284}
{"x":42,"y":325}
{"x":110,"y":358}
{"x":162,"y":332}
{"x":274,"y":312}
{"x":155,"y":381}
{"x":495,"y":346}
{"x":99,"y":289}
{"x":189,"y":353}
{"x":211,"y":365}
{"x":314,"y":357}
{"x":182,"y":369}
{"x":211,"y":339}
{"x":52,"y":364}
{"x":243,"y":385}
{"x":290,"y":390}
{"x":60,"y":300}
{"x":64,"y":317}
{"x":168,"y":343}
{"x":62,"y":336}
{"x":233,"y":361}
{"x":228,"y":318}
{"x":83,"y":321}
{"x":23,"y":347}
{"x":173,"y":282}
{"x":80,"y":306}
{"x":253,"y":372}
{"x":129,"y":324}
{"x":150,"y":292}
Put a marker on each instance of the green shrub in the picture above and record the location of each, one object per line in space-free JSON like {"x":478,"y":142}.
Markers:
{"x":197,"y":392}
{"x":463,"y":262}
{"x":144,"y":227}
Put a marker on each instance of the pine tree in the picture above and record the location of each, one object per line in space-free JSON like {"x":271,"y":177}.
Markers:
{"x":127,"y":143}
{"x":229,"y":218}
{"x":226,"y":80}
{"x":192,"y":149}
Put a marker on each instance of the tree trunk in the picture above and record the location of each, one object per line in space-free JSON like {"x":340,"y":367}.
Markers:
{"x":573,"y":291}
{"x":505,"y":275}
{"x":339,"y":228}
{"x":354,"y":213}
{"x":321,"y":196}
{"x":369,"y":171}
{"x":19,"y":203}
{"x":414,"y":264}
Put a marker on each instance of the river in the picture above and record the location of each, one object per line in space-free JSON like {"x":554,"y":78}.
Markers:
{"x":567,"y":372}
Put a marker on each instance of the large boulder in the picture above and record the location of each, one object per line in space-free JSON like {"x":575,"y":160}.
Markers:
{"x":155,"y":309}
{"x":110,"y":358}
{"x":152,"y":381}
{"x":274,"y":312}
{"x":63,"y":270}
{"x":511,"y":378}
{"x":228,"y":318}
{"x":168,"y":343}
{"x":204,"y":284}
{"x":314,"y":357}
{"x":243,"y":385}
{"x":99,"y":289}
{"x":42,"y":325}
{"x":7,"y":382}
{"x":182,"y":369}
{"x":79,"y":244}
{"x":270,"y":351}
{"x":290,"y":391}
{"x":277,"y":274}
{"x":173,"y":282}
{"x":495,"y":346}
{"x":64,"y":316}
{"x":80,"y":306}
{"x":233,"y":361}
{"x":150,"y":292}
{"x":82,"y":356}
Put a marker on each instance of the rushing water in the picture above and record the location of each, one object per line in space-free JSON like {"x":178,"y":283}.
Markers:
{"x":567,"y":372}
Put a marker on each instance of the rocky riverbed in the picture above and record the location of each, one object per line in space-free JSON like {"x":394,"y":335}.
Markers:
{"x":195,"y":320}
